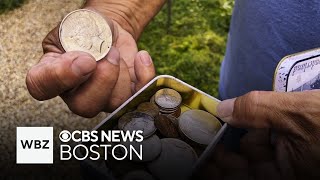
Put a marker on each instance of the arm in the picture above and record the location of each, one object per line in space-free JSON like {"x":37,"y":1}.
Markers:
{"x":133,"y":15}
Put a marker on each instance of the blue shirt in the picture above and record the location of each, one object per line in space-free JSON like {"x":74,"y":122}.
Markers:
{"x":261,"y":33}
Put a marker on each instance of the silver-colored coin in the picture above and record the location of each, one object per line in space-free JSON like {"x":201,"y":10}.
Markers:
{"x":199,"y":126}
{"x":168,"y":99}
{"x":87,"y":31}
{"x":175,"y":161}
{"x":140,"y":121}
{"x":151,"y":148}
{"x":138,"y":175}
{"x":124,"y":119}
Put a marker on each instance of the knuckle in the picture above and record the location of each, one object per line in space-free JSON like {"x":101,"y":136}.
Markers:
{"x":33,"y":85}
{"x":246,"y":106}
{"x":253,"y":97}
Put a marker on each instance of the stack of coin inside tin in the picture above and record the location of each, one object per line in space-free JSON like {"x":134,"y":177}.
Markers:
{"x":168,"y":101}
{"x":172,"y":141}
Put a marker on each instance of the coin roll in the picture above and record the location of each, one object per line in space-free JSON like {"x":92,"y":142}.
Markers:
{"x":168,"y":99}
{"x":199,"y":126}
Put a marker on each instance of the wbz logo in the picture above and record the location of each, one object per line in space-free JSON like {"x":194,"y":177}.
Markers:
{"x":34,"y":145}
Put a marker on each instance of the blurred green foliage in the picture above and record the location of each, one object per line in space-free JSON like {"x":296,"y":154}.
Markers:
{"x":193,"y":47}
{"x":6,"y":5}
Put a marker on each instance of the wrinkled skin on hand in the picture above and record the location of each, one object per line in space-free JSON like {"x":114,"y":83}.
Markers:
{"x":283,"y":141}
{"x":89,"y":87}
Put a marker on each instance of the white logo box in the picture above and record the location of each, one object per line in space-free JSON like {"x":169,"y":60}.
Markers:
{"x":34,"y":145}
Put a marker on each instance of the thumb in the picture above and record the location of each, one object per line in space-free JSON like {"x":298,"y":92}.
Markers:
{"x":57,"y":73}
{"x":261,"y":109}
{"x":144,"y":69}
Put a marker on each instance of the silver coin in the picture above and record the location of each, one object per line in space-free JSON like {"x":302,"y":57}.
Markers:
{"x":199,"y":126}
{"x":175,"y":161}
{"x":138,"y":175}
{"x":124,"y":119}
{"x":87,"y":31}
{"x":141,"y":121}
{"x":168,"y":99}
{"x":151,"y":148}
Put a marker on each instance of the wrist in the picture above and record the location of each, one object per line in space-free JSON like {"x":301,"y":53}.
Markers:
{"x":131,"y":15}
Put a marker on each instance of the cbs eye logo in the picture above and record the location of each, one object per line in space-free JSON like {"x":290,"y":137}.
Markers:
{"x":65,"y":136}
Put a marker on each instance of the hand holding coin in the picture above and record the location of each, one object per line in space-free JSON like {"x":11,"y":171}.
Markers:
{"x":69,"y":68}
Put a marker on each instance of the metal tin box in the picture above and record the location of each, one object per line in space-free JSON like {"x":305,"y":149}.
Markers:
{"x":192,"y":98}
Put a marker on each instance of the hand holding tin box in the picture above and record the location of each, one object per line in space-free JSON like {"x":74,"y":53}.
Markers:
{"x":294,"y":117}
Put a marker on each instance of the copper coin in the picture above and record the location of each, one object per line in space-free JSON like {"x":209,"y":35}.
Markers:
{"x":166,"y":126}
{"x":148,"y":108}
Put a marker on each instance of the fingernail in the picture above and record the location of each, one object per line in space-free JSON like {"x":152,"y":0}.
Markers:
{"x":83,"y":65}
{"x":113,"y":56}
{"x":225,"y":109}
{"x":145,"y":58}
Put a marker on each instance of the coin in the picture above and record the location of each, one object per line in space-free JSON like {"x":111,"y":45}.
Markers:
{"x":148,"y":108}
{"x":151,"y":148}
{"x":168,"y":99}
{"x":138,"y":175}
{"x":173,"y":119}
{"x":152,"y":100}
{"x":166,"y":126}
{"x":124,"y":119}
{"x":176,"y":113}
{"x":175,"y":161}
{"x":140,"y":121}
{"x":87,"y":31}
{"x":199,"y":126}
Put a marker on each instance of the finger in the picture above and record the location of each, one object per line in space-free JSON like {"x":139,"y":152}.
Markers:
{"x":229,"y":161}
{"x":58,"y":73}
{"x":51,"y":42}
{"x":255,"y":145}
{"x":292,"y":112}
{"x":92,"y":96}
{"x":256,"y":137}
{"x":121,"y":91}
{"x":210,"y":171}
{"x":144,"y":69}
{"x":266,"y":170}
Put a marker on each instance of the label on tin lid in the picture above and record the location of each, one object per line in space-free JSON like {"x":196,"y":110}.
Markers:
{"x":298,"y":72}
